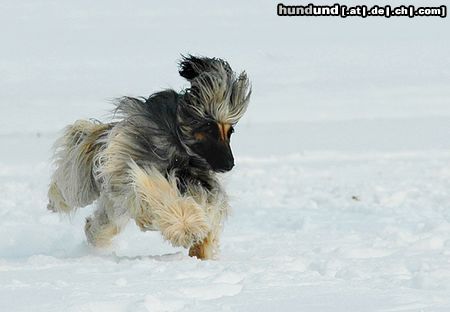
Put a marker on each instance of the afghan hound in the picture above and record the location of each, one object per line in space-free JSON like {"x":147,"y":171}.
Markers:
{"x":157,"y":162}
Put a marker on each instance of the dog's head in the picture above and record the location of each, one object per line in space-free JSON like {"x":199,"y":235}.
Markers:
{"x":210,"y":108}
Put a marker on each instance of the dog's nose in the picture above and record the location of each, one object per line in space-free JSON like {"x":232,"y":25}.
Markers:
{"x":230,"y":165}
{"x":225,"y":167}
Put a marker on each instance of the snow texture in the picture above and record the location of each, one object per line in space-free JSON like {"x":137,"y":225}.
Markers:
{"x":340,"y":194}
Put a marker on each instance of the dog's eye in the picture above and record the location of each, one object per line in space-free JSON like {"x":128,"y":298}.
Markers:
{"x":230,"y":132}
{"x":199,"y":136}
{"x":210,"y":128}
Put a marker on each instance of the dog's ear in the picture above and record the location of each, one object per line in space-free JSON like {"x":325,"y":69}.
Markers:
{"x":192,"y":66}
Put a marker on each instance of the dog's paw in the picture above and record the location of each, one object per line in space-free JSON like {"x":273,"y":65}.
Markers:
{"x":51,"y":206}
{"x":56,"y":202}
{"x":205,"y":250}
{"x":184,"y":223}
{"x":100,"y":235}
{"x":58,"y":206}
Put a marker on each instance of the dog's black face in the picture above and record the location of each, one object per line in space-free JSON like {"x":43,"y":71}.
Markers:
{"x":212,"y":142}
{"x":206,"y":111}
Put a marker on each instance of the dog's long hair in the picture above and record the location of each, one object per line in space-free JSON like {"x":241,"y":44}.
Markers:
{"x":156,"y":162}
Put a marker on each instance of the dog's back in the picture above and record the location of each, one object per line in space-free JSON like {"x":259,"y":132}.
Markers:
{"x":73,"y":185}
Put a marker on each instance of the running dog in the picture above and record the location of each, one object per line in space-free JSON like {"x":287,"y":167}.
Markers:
{"x":157,"y":162}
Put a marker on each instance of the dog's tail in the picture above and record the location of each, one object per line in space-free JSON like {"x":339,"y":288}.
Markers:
{"x":73,"y":185}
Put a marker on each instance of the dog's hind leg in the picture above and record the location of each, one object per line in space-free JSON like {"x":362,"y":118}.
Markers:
{"x":103,"y":225}
{"x":72,"y":184}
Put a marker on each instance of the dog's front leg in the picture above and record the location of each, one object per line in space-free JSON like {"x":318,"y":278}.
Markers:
{"x":217,"y":208}
{"x":160,"y":206}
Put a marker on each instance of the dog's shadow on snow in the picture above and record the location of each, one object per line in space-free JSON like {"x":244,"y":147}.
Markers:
{"x":85,"y":250}
{"x":177,"y":256}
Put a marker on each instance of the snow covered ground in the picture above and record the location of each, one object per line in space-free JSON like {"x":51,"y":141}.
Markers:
{"x":341,"y":192}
